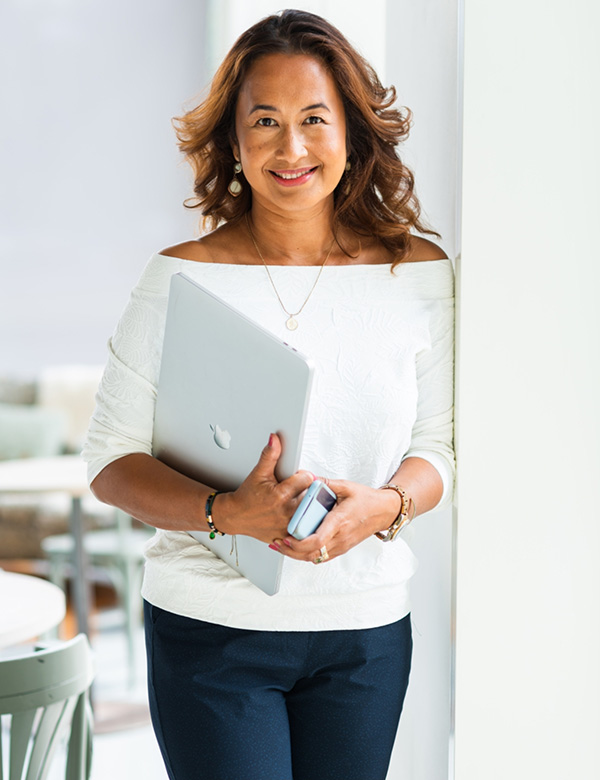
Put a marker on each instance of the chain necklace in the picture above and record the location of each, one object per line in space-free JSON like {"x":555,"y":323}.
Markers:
{"x":291,"y":323}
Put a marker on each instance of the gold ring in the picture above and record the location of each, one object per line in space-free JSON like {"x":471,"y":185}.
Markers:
{"x":324,"y":555}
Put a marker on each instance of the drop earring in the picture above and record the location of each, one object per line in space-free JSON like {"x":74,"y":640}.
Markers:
{"x":235,"y":186}
{"x":347,"y":168}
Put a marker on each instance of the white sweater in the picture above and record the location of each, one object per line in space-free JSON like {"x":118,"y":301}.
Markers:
{"x":382,"y":345}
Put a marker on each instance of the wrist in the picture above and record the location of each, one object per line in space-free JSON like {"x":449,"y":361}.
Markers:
{"x":391,"y":504}
{"x":220,"y":514}
{"x":405,"y":514}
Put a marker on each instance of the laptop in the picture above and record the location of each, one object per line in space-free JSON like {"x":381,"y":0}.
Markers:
{"x":225,"y":385}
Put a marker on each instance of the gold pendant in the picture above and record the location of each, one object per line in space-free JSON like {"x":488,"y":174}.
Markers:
{"x":291,"y":324}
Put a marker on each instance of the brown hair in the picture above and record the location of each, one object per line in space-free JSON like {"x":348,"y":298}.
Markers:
{"x":374,"y":198}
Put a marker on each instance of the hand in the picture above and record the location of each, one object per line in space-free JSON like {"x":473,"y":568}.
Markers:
{"x":262,"y":507}
{"x":360,"y":512}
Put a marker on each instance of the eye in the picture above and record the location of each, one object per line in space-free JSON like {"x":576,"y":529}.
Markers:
{"x":266,"y":121}
{"x":314,"y":120}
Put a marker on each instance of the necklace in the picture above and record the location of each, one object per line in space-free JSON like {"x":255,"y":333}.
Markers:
{"x":291,"y":323}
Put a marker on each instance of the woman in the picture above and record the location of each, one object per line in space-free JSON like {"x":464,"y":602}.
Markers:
{"x":294,"y":153}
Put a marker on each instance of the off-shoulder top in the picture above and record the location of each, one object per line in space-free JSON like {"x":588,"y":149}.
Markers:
{"x":382,"y":345}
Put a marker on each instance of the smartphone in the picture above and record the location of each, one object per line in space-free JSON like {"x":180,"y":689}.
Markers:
{"x":318,"y":500}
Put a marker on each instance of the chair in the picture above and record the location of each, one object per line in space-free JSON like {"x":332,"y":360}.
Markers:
{"x":46,"y":692}
{"x":116,"y":553}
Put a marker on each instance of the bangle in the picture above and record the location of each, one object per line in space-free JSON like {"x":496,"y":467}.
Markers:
{"x":414,"y":510}
{"x":208,"y":513}
{"x":402,"y":519}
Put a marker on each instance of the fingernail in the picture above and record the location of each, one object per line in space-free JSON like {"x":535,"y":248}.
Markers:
{"x":275,"y":547}
{"x":287,"y":541}
{"x":312,"y":475}
{"x":271,"y":440}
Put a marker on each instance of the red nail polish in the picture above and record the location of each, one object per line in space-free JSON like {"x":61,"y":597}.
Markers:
{"x":287,"y":541}
{"x":275,"y":547}
{"x":271,"y":440}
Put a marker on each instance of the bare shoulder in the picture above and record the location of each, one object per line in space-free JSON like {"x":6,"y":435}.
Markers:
{"x":188,"y":250}
{"x":421,"y":249}
{"x":223,"y":245}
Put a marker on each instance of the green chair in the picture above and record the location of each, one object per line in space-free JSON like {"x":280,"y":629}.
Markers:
{"x":46,"y":692}
{"x":118,"y":554}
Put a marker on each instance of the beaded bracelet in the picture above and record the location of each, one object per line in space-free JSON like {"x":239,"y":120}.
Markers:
{"x":208,"y":512}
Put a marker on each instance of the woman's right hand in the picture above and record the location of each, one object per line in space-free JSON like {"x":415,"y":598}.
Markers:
{"x":262,"y":506}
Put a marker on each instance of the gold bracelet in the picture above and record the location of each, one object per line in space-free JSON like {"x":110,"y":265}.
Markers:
{"x":414,"y":508}
{"x":402,"y":520}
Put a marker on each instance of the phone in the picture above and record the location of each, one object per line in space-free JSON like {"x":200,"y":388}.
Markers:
{"x":319,"y":500}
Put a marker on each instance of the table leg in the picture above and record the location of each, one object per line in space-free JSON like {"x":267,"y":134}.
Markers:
{"x":81,"y":584}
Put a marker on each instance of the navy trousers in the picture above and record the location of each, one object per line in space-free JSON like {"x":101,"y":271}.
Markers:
{"x":233,"y":704}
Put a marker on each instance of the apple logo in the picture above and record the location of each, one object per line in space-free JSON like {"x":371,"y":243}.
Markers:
{"x":222,"y":438}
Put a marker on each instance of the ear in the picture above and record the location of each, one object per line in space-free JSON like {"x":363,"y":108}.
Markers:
{"x":235,"y":149}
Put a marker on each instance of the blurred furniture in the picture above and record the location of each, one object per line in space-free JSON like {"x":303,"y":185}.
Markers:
{"x":46,"y":692}
{"x":29,"y":607}
{"x":50,"y":522}
{"x":43,"y":417}
{"x":63,"y":474}
{"x":118,"y":553}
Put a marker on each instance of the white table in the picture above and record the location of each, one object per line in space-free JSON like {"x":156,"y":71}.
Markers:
{"x":29,"y":607}
{"x":62,"y":474}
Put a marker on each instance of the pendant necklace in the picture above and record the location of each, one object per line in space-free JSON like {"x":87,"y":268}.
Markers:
{"x":291,"y":323}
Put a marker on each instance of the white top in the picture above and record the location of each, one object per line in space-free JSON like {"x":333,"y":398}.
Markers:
{"x":382,"y":345}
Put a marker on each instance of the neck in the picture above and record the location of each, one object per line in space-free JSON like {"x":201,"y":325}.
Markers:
{"x":292,"y":240}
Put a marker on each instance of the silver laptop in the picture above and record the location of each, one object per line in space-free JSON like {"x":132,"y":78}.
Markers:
{"x":225,"y":385}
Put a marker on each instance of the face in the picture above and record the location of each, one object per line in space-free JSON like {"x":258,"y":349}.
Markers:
{"x":291,"y":133}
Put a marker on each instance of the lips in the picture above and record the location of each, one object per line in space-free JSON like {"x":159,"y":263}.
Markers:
{"x":290,"y":178}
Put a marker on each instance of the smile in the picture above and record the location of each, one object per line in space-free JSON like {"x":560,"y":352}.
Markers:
{"x":293,"y":177}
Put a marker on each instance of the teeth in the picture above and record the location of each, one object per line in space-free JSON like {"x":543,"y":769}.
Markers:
{"x":292,"y":175}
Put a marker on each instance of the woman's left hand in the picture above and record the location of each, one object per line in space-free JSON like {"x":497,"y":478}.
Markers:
{"x":360,"y":512}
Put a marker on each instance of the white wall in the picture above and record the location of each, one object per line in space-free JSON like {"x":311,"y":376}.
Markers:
{"x":91,"y":183}
{"x":528,"y":577}
{"x":230,"y":18}
{"x":422,"y":62}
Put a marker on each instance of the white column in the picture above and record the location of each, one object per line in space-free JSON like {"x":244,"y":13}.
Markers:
{"x":422,"y":44}
{"x":528,"y":575}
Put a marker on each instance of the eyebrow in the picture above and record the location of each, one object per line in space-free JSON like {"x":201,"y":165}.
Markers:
{"x":264,"y":107}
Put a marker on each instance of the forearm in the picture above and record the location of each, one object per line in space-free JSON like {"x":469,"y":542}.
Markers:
{"x":157,"y":495}
{"x":150,"y":491}
{"x":422,"y":484}
{"x":421,"y":481}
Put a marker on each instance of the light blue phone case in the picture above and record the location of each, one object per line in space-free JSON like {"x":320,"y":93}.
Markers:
{"x":319,"y":500}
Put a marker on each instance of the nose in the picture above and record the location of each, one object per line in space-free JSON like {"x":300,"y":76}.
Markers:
{"x":291,"y":146}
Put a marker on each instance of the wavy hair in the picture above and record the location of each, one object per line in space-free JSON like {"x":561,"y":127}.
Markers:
{"x":375,"y":197}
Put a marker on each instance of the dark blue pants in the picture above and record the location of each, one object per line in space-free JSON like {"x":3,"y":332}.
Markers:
{"x":232,"y":704}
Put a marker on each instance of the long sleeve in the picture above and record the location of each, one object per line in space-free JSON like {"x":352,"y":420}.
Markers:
{"x":432,"y":433}
{"x":124,"y":414}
